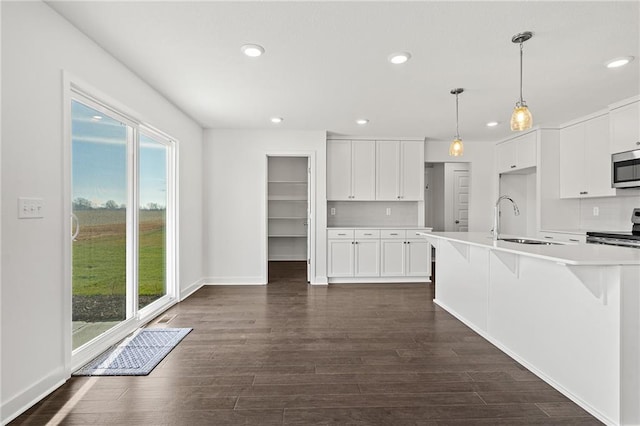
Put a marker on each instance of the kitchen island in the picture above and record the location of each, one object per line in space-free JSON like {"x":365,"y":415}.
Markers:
{"x":570,"y":313}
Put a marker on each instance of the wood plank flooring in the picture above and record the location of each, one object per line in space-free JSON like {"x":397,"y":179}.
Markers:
{"x":290,"y":353}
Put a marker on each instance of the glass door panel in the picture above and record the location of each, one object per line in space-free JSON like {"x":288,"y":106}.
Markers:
{"x":152,"y":217}
{"x":99,"y":194}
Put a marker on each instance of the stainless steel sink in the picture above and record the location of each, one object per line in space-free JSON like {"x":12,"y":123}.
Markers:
{"x":527,"y":241}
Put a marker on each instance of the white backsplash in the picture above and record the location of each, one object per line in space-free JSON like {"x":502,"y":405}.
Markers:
{"x":373,"y":213}
{"x":614,"y":212}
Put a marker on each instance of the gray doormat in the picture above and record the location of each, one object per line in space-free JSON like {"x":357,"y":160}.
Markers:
{"x":136,"y":355}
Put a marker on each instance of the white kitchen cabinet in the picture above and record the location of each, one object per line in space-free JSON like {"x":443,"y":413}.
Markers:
{"x":351,"y":170}
{"x":516,"y":154}
{"x":403,"y":254}
{"x":366,"y":258}
{"x":378,"y":254}
{"x":392,"y":258}
{"x":625,"y":128}
{"x":585,"y":163}
{"x":340,"y":258}
{"x":354,"y":253}
{"x":399,"y":170}
{"x":418,"y":258}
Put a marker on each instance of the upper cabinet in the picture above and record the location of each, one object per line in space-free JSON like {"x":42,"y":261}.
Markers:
{"x":625,"y":128}
{"x":351,"y":170}
{"x":399,"y":170}
{"x":585,"y":163}
{"x":517,"y":153}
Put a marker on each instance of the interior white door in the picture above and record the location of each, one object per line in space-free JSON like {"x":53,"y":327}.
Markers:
{"x":461,"y":200}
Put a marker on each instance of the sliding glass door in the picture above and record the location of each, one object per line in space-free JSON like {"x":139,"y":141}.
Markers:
{"x":152,"y":220}
{"x":122,"y":204}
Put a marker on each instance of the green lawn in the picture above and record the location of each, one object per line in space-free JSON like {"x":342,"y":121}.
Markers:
{"x":99,"y":262}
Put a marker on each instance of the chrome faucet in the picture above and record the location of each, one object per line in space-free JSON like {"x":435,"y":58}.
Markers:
{"x":496,"y":215}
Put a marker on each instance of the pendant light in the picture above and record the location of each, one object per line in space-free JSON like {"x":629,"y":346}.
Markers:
{"x":456,"y":148}
{"x":521,"y":118}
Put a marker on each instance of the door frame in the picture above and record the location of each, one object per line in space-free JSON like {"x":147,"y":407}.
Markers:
{"x":311,"y":213}
{"x":74,"y":359}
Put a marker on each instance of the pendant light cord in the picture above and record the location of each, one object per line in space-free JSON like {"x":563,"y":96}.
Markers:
{"x":521,"y":100}
{"x":457,"y":131}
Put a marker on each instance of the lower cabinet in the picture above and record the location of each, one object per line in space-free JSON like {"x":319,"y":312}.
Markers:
{"x":387,"y":255}
{"x":403,"y":256}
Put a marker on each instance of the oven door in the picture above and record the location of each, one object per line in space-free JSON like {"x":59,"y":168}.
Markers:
{"x":625,"y":169}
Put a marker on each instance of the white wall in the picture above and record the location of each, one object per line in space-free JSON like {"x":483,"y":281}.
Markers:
{"x":235,"y":191}
{"x":480,"y":155}
{"x":37,"y":45}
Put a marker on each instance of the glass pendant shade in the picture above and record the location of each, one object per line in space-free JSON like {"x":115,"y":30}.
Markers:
{"x":521,"y":118}
{"x":456,"y":149}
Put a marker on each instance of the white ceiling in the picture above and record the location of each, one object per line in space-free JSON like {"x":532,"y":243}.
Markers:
{"x":326,"y":62}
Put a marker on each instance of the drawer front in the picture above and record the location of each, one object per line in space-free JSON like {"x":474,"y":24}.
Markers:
{"x":336,"y":234}
{"x":393,"y":234}
{"x":565,"y":238}
{"x":364,"y":234}
{"x":412,"y":234}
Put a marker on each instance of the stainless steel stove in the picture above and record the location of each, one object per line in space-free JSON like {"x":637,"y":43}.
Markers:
{"x":624,"y":239}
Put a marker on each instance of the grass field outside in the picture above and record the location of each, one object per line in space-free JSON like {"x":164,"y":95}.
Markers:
{"x":99,"y":263}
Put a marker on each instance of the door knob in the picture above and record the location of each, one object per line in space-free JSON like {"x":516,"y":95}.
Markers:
{"x":457,"y":221}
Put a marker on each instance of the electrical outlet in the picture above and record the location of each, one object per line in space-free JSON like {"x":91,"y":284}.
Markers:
{"x":333,"y":211}
{"x":596,"y":211}
{"x":388,"y":211}
{"x":30,"y":208}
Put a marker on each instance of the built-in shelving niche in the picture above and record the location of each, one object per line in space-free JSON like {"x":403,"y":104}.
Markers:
{"x":287,"y":209}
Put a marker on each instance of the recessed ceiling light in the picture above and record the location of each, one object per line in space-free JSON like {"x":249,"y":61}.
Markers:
{"x":492,"y":124}
{"x":96,"y":117}
{"x":399,"y":57}
{"x":252,"y":50}
{"x":362,"y":121}
{"x":619,"y":62}
{"x":277,"y":120}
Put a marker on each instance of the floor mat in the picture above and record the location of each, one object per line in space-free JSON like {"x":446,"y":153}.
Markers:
{"x":137,"y":355}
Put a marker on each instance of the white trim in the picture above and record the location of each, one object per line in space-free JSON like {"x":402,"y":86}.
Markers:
{"x":234,"y":281}
{"x":191,"y":288}
{"x":365,"y":138}
{"x":591,"y":410}
{"x":379,"y":280}
{"x":32,"y":395}
{"x":624,"y":102}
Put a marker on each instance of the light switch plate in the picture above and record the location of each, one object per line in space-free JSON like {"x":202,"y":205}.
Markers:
{"x":30,"y":208}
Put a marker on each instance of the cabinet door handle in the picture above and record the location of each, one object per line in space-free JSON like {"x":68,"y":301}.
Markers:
{"x":574,"y":240}
{"x":513,"y":166}
{"x":367,"y":234}
{"x":393,"y":234}
{"x":637,"y":143}
{"x":550,"y":238}
{"x":457,"y":221}
{"x":408,"y":242}
{"x":342,"y":235}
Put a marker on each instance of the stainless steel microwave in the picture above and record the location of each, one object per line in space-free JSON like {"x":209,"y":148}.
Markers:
{"x":625,"y":169}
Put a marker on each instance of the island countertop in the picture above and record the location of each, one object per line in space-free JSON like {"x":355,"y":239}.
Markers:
{"x":569,"y":254}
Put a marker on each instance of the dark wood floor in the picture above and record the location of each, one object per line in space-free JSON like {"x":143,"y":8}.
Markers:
{"x":289,"y":353}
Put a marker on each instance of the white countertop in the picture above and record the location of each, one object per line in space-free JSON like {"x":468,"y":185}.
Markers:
{"x":382,"y":227}
{"x":570,"y":254}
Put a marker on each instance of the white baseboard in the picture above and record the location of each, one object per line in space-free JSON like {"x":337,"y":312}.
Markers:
{"x":320,"y":281}
{"x":378,"y":280}
{"x":21,"y":402}
{"x":484,"y":334}
{"x":234,"y":281}
{"x":190,"y":289}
